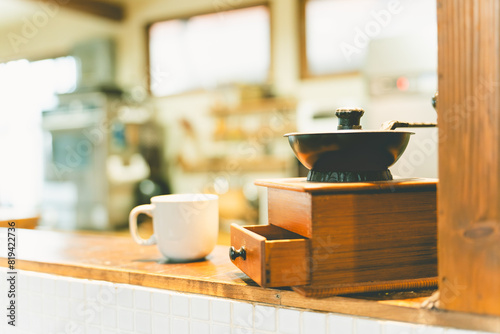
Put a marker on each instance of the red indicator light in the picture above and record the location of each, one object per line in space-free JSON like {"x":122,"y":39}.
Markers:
{"x":403,"y":84}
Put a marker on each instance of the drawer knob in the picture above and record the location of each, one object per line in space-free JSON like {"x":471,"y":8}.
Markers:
{"x":235,"y":253}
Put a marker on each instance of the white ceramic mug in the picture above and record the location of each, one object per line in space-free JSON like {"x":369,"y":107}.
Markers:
{"x":186,"y":226}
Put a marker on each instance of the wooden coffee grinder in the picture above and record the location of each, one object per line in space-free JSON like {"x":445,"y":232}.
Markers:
{"x":350,"y":226}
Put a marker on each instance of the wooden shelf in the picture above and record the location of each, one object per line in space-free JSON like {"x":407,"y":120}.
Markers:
{"x":247,"y":136}
{"x":118,"y":259}
{"x":261,"y":164}
{"x":235,"y":130}
{"x":258,"y":106}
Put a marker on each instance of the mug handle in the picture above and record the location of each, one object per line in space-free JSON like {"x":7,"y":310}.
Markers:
{"x":132,"y":222}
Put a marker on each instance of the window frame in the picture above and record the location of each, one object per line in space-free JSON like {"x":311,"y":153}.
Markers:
{"x":304,"y":68}
{"x":265,"y":3}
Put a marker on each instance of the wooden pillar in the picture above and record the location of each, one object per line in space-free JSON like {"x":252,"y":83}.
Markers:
{"x":469,"y":155}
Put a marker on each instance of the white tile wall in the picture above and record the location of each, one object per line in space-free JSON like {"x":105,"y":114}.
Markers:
{"x":160,"y":302}
{"x":340,"y":324}
{"x":125,"y":319}
{"x":242,"y":314}
{"x":220,"y":329}
{"x":76,"y":290}
{"x":313,"y":322}
{"x":265,"y":318}
{"x":289,"y":321}
{"x":367,"y":326}
{"x":397,"y":328}
{"x":49,"y":286}
{"x":142,"y":299}
{"x":180,"y":305}
{"x":221,"y":311}
{"x":125,"y":297}
{"x":200,"y":308}
{"x":143,"y":322}
{"x":159,"y":324}
{"x":180,"y":326}
{"x":429,"y":330}
{"x":55,"y":304}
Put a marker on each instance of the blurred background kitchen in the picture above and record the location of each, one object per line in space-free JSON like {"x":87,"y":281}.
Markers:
{"x":106,"y":103}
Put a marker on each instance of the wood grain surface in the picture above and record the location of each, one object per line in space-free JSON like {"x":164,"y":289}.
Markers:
{"x":275,"y":257}
{"x":287,"y":262}
{"x":291,"y":210}
{"x":469,"y":155}
{"x":374,"y":237}
{"x":360,"y":233}
{"x":118,"y":259}
{"x":254,"y":243}
{"x":301,"y":185}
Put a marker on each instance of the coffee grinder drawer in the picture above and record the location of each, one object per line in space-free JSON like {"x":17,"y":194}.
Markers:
{"x":270,"y":255}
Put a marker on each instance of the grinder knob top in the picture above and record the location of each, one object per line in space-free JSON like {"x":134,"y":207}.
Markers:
{"x":349,"y":118}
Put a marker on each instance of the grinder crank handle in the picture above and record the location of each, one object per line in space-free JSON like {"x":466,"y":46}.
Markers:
{"x":391,"y":125}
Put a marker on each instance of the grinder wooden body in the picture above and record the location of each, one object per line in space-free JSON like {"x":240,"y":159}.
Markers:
{"x":334,"y":238}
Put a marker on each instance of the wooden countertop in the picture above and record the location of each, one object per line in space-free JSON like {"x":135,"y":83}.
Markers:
{"x":118,"y":259}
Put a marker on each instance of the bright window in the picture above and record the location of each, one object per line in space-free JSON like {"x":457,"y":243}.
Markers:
{"x":27,"y":88}
{"x":338,"y":34}
{"x":206,"y":51}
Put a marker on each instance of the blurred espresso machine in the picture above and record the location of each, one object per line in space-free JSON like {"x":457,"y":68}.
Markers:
{"x":97,"y":146}
{"x":94,"y":160}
